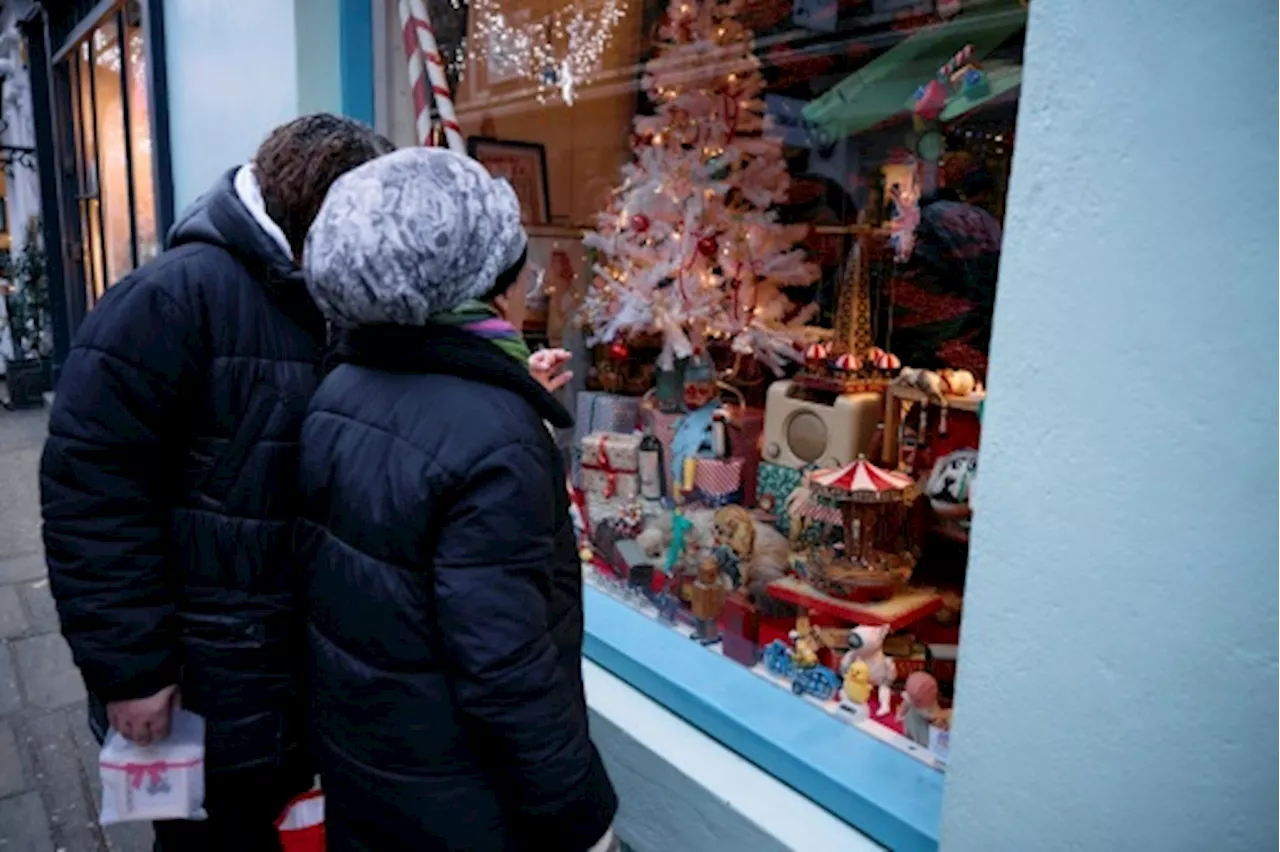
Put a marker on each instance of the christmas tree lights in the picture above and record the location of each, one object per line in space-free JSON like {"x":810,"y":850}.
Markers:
{"x":690,"y":247}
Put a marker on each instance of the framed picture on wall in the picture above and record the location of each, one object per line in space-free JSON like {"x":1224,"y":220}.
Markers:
{"x":524,"y":164}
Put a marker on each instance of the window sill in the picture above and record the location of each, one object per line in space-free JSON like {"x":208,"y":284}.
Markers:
{"x":680,"y":789}
{"x":887,"y":795}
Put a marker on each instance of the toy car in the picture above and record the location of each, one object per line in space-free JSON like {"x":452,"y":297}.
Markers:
{"x":777,"y":659}
{"x":819,"y":681}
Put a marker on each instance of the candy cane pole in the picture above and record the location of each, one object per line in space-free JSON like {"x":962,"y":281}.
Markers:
{"x":435,"y":73}
{"x":956,"y":62}
{"x":417,"y":76}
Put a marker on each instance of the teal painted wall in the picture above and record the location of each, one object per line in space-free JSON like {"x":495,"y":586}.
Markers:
{"x":318,"y":32}
{"x":238,"y":68}
{"x":232,"y":76}
{"x":355,"y":51}
{"x":1118,"y":665}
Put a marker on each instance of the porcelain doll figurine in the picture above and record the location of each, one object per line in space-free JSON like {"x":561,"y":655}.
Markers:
{"x":867,"y":645}
{"x":920,"y":707}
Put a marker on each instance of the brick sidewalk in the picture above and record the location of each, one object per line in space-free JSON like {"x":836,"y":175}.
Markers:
{"x":48,"y":758}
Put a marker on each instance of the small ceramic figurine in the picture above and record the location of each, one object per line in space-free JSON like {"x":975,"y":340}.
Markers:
{"x":857,"y":682}
{"x":866,"y":644}
{"x":805,"y":644}
{"x":699,"y":382}
{"x":920,"y":707}
{"x":958,"y":382}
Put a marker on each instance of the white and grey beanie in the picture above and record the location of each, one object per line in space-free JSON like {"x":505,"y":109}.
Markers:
{"x":410,"y":234}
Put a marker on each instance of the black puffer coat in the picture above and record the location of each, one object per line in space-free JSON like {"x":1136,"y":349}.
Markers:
{"x":445,"y":604}
{"x":169,"y":482}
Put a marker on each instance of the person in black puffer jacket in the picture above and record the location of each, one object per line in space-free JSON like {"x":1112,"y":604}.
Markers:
{"x":445,"y":590}
{"x":169,"y":481}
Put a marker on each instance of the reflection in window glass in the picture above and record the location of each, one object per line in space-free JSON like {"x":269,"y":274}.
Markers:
{"x":144,"y":200}
{"x":749,"y":218}
{"x":113,"y":158}
{"x":90,"y":194}
{"x":107,"y":105}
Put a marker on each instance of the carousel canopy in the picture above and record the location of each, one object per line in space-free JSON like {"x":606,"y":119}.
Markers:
{"x":861,"y":478}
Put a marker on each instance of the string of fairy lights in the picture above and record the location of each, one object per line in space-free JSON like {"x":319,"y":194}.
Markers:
{"x":558,"y":53}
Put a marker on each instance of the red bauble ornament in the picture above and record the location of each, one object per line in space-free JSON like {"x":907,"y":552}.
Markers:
{"x":640,"y":222}
{"x":707,"y":246}
{"x":619,"y":351}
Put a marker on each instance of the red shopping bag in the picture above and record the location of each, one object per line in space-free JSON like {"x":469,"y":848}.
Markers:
{"x":301,"y":826}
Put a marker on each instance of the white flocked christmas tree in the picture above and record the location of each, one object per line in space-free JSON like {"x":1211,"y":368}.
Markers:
{"x":690,"y":246}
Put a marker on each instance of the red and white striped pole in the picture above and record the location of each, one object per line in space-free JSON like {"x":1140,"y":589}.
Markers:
{"x":417,"y":77}
{"x":417,"y":27}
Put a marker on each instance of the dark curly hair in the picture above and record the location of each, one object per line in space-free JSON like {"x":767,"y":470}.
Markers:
{"x":300,"y":160}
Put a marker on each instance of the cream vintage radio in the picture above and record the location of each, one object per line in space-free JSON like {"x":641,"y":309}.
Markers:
{"x":803,"y":427}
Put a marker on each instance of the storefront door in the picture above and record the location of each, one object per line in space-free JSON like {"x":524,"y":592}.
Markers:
{"x":103,"y":125}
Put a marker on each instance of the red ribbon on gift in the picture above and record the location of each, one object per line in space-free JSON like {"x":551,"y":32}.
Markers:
{"x":605,"y":466}
{"x":136,"y":773}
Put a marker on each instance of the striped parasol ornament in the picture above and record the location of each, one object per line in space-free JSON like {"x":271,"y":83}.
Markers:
{"x":816,"y":353}
{"x":862,"y":482}
{"x":848,"y":363}
{"x":888,"y":362}
{"x":860,"y":487}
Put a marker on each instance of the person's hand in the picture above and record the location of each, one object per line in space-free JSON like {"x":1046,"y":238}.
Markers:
{"x":546,"y":365}
{"x":144,"y":720}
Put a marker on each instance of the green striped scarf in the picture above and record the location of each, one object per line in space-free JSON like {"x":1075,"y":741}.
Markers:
{"x":482,"y":320}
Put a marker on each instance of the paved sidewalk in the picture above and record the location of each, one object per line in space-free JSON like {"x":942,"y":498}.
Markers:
{"x":48,"y":758}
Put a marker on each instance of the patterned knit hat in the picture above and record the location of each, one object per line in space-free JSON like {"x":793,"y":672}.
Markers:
{"x":408,"y":235}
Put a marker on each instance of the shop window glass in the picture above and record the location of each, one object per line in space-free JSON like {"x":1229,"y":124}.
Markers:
{"x":113,"y":163}
{"x":771,"y":231}
{"x":144,"y":204}
{"x":90,"y":189}
{"x":109,"y":139}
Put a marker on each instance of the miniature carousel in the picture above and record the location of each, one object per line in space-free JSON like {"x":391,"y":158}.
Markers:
{"x":872,"y":505}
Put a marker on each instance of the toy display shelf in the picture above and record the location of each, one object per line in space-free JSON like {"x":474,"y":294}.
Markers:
{"x":851,"y":714}
{"x":902,"y":610}
{"x":893,"y":414}
{"x":836,"y":759}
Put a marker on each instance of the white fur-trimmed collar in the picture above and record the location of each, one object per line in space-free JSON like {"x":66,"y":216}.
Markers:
{"x":250,"y":195}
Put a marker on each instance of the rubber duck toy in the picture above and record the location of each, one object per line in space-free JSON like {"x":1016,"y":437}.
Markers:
{"x":857,"y":683}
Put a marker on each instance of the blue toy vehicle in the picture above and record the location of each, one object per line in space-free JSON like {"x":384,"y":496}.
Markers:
{"x":819,"y":681}
{"x":777,"y":659}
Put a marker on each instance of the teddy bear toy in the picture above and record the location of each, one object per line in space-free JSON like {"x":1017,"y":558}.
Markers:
{"x":756,"y":551}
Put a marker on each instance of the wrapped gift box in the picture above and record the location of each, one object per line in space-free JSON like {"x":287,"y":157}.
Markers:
{"x":601,"y":412}
{"x":717,"y":482}
{"x":741,"y":618}
{"x":740,"y":649}
{"x":611,"y":464}
{"x":774,"y":484}
{"x":745,"y":430}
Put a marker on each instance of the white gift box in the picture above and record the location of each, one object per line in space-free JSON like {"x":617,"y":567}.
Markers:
{"x":611,"y":465}
{"x":164,"y":780}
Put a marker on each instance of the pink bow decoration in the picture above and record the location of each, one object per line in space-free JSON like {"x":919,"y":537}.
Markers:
{"x":137,"y":772}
